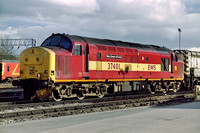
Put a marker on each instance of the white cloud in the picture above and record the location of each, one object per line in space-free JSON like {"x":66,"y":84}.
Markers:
{"x":154,"y":10}
{"x":77,"y":6}
{"x":146,"y":21}
{"x":74,"y":3}
{"x":10,"y":31}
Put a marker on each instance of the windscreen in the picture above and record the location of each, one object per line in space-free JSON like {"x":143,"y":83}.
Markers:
{"x":58,"y":41}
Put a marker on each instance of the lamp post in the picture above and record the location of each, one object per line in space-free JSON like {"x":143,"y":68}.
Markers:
{"x":179,"y":30}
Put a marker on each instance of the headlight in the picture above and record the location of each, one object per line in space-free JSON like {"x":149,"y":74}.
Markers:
{"x":52,"y":73}
{"x":38,"y":75}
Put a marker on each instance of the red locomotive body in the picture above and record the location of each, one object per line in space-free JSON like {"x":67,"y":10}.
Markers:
{"x":9,"y":69}
{"x":112,"y":63}
{"x":88,"y":66}
{"x":96,"y":62}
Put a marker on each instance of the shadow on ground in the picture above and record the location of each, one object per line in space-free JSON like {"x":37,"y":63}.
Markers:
{"x":182,"y":104}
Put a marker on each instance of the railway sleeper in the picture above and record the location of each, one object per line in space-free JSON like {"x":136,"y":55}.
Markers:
{"x":8,"y":115}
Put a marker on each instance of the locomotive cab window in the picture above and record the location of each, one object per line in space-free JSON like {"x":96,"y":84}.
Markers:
{"x":83,"y":49}
{"x":55,"y":40}
{"x":65,"y":43}
{"x":8,"y":68}
{"x":77,"y":49}
{"x":164,"y":64}
{"x":146,"y":59}
{"x":58,"y":41}
{"x":175,"y":58}
{"x":98,"y":55}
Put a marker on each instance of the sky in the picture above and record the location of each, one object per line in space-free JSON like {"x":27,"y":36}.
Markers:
{"x":140,"y":21}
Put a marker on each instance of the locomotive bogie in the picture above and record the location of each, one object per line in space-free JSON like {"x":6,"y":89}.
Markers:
{"x":79,"y":90}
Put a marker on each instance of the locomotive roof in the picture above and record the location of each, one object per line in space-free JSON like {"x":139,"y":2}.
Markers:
{"x":118,"y":43}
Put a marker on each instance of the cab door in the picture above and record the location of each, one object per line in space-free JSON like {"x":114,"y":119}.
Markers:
{"x":81,"y":49}
{"x":172,"y":63}
{"x":172,"y":66}
{"x":85,"y":60}
{"x":1,"y":70}
{"x":85,"y":57}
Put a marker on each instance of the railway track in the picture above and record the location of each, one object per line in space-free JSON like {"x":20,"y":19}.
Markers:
{"x":10,"y":93}
{"x":26,"y":111}
{"x":25,"y":103}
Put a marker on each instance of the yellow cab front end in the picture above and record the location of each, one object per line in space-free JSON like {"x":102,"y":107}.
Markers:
{"x":37,"y":63}
{"x":37,"y":72}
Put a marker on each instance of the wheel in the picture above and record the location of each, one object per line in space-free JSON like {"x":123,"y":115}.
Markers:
{"x":81,"y":96}
{"x":56,"y":96}
{"x":100,"y":95}
{"x":153,"y":92}
{"x":152,"y":89}
{"x":99,"y":92}
{"x":164,"y":91}
{"x":176,"y":87}
{"x":174,"y":90}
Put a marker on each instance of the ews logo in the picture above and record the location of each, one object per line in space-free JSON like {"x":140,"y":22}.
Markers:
{"x":152,"y":67}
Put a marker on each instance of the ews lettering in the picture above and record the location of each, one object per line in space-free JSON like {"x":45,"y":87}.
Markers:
{"x":152,"y":67}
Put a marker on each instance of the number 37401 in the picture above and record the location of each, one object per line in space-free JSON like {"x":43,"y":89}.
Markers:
{"x":113,"y":66}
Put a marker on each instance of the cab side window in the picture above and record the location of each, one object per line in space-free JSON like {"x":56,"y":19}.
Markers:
{"x":8,"y":68}
{"x":77,"y":50}
{"x":98,"y":55}
{"x":175,"y":58}
{"x":164,"y":64}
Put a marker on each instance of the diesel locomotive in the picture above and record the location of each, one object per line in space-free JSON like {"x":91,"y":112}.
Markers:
{"x":66,"y":66}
